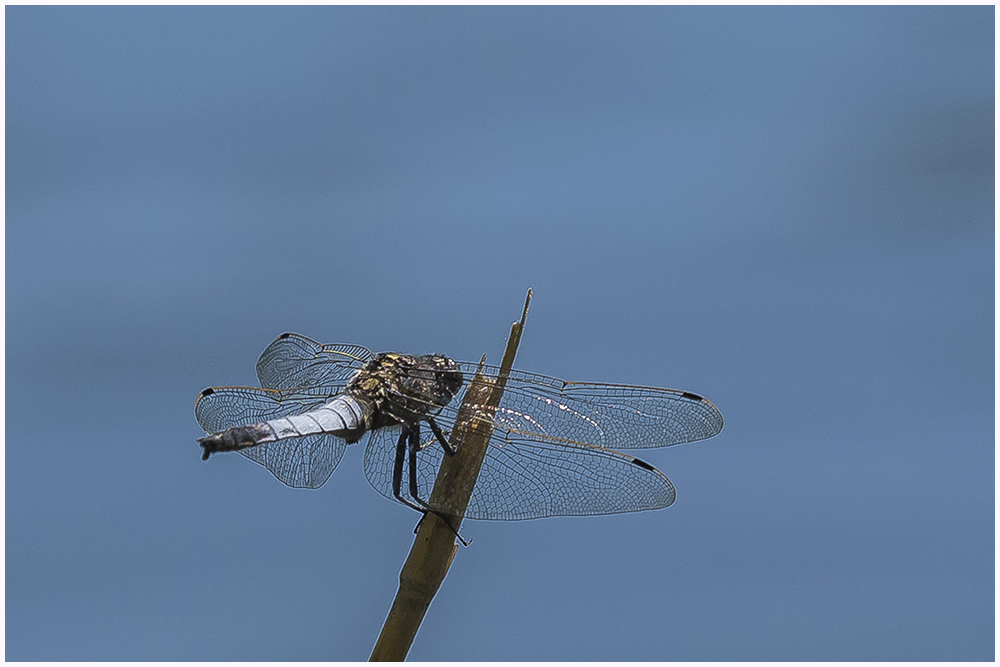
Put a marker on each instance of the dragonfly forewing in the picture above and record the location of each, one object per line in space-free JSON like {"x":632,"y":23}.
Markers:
{"x":612,"y":416}
{"x":293,"y":361}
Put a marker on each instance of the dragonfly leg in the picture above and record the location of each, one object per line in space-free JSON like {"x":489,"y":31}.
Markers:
{"x":416,"y":528}
{"x":397,"y":468}
{"x":406,"y":438}
{"x":448,"y":449}
{"x":414,"y":447}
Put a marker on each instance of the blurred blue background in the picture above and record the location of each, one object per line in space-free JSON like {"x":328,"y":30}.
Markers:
{"x":787,"y":210}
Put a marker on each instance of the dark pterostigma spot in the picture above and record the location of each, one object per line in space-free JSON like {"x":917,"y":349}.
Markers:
{"x":693,"y":397}
{"x":208,"y":392}
{"x":284,"y":335}
{"x":642,"y":464}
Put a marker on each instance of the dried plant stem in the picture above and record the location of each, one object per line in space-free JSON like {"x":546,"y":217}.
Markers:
{"x":435,"y":546}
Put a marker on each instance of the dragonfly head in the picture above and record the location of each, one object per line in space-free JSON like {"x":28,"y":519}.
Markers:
{"x":438,"y":378}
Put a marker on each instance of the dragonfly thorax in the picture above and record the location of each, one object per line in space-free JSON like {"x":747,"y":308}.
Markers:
{"x":405,"y":388}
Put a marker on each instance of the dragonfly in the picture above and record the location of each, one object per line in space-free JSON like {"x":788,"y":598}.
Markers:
{"x":552,"y":449}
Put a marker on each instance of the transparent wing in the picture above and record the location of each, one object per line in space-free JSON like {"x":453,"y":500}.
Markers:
{"x":611,"y":416}
{"x":303,"y":462}
{"x":552,"y":452}
{"x":293,"y":360}
{"x":527,"y":478}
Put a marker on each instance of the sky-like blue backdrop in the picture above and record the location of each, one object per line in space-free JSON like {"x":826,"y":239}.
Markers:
{"x":787,"y":210}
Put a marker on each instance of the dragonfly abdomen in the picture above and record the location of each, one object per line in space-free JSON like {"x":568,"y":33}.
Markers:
{"x":343,"y":416}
